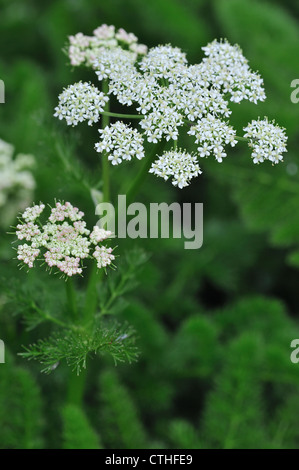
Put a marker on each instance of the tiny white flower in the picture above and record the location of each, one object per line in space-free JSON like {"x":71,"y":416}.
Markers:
{"x":121,"y":142}
{"x":267,"y":140}
{"x":80,"y":102}
{"x":179,"y":165}
{"x":104,"y":256}
{"x":212,"y":134}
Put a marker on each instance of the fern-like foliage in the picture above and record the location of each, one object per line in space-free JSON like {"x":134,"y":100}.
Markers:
{"x":41,"y":301}
{"x":195,"y":350}
{"x":35,"y":298}
{"x":255,"y":380}
{"x":271,"y":49}
{"x":121,"y":416}
{"x":121,"y":282}
{"x":183,"y":435}
{"x":77,"y":431}
{"x":75,"y":346}
{"x":235,"y":406}
{"x":21,"y":420}
{"x":284,"y":425}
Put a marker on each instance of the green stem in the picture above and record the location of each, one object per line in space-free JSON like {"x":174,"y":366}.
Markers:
{"x":117,"y":291}
{"x":105,"y":161}
{"x":71,"y":297}
{"x":71,"y":169}
{"x":76,"y":383}
{"x":76,"y":387}
{"x":119,"y":115}
{"x":50,"y":318}
{"x":134,"y":188}
{"x":91,"y":299}
{"x":242,"y":139}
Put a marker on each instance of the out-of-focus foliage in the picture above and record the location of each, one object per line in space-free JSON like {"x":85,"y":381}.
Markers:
{"x":77,"y":432}
{"x":268,"y":200}
{"x":214,"y":325}
{"x":21,"y":413}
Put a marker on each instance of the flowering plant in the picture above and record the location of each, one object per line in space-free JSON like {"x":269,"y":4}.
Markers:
{"x":170,"y":98}
{"x":169,"y":95}
{"x":17,"y":182}
{"x":64,"y":237}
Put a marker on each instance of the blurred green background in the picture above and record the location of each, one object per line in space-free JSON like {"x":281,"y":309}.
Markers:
{"x":214,"y":326}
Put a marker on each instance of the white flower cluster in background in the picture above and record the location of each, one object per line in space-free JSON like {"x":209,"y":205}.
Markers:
{"x":120,"y":142}
{"x":63,"y":241}
{"x":178,"y":164}
{"x":170,"y":94}
{"x":85,"y":49}
{"x":80,"y":102}
{"x":16,"y":182}
{"x":112,"y":62}
{"x":267,"y":140}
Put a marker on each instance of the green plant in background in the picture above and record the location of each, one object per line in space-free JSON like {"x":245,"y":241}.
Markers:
{"x":20,"y":394}
{"x":168,"y":93}
{"x":214,"y":369}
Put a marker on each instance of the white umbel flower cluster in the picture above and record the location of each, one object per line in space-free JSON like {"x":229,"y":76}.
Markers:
{"x":99,"y":234}
{"x":179,"y":165}
{"x":212,"y":134}
{"x":63,"y":240}
{"x":226,"y":68}
{"x":16,"y":182}
{"x":80,"y":102}
{"x":169,"y":94}
{"x":121,"y":142}
{"x":162,"y":61}
{"x":103,"y":255}
{"x":86,"y":49}
{"x":267,"y":140}
{"x":32,"y":213}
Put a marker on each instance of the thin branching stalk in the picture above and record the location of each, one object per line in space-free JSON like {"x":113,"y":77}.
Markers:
{"x":76,"y":384}
{"x":72,"y":301}
{"x":105,"y":161}
{"x":123,"y":116}
{"x":147,"y":162}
